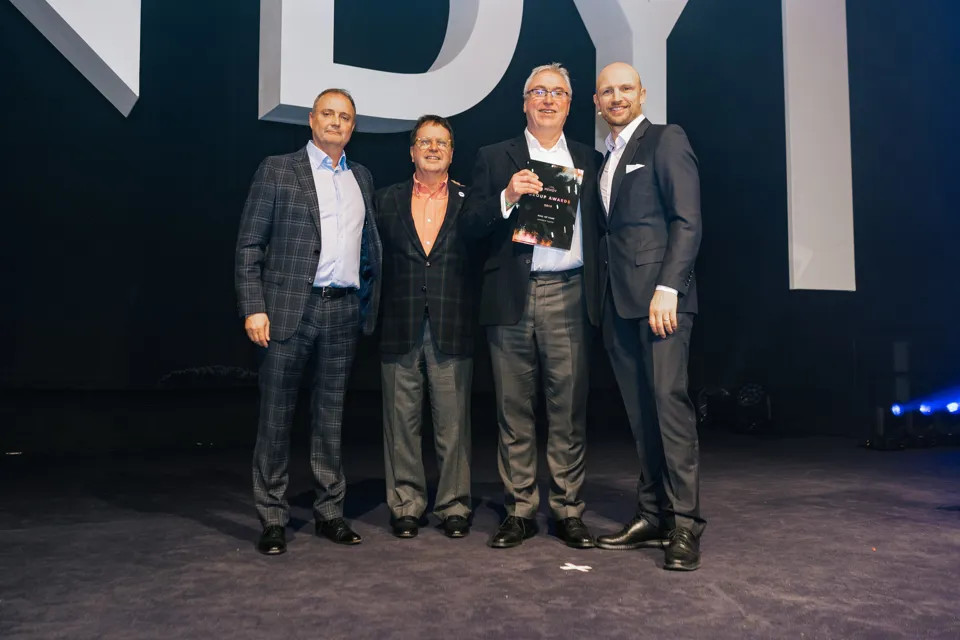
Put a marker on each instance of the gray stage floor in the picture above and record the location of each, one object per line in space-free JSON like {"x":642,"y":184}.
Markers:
{"x":807,"y":538}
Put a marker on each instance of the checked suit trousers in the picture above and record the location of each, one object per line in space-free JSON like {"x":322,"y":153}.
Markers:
{"x":329,"y":330}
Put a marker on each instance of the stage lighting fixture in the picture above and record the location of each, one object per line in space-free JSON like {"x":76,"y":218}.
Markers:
{"x":953,"y":407}
{"x":714,"y":406}
{"x":925,"y":409}
{"x":889,"y":428}
{"x":754,"y":411}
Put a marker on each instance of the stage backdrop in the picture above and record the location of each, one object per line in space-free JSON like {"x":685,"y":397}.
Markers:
{"x":119,"y":231}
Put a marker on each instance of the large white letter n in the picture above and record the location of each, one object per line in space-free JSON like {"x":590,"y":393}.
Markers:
{"x":296,"y":63}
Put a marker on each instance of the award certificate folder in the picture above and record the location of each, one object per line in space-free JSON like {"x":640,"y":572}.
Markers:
{"x":547,"y":218}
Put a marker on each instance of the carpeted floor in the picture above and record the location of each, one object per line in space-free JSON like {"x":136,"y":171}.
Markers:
{"x":807,"y":538}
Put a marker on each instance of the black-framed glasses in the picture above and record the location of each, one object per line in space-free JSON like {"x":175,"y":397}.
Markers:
{"x":556,"y":94}
{"x":426,"y":143}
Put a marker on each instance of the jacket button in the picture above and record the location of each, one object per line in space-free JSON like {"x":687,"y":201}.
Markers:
{"x":316,"y":252}
{"x":310,"y":280}
{"x":428,"y":263}
{"x":423,"y":288}
{"x":527,"y":260}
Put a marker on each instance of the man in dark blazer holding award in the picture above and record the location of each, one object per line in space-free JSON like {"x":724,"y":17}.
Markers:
{"x":307,"y":278}
{"x":426,"y":339}
{"x":534,"y":303}
{"x":649,"y":238}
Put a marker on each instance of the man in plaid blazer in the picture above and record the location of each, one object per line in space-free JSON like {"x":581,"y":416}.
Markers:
{"x":308,"y":278}
{"x":426,"y":334}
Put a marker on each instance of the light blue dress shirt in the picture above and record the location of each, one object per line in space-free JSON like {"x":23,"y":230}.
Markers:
{"x":341,"y":220}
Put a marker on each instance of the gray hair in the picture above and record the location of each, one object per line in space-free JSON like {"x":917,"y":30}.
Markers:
{"x":553,"y":66}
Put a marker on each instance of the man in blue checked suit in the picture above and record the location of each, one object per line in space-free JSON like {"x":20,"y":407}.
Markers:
{"x":308,"y":282}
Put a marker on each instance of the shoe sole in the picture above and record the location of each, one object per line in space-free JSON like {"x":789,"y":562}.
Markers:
{"x":273,"y":552}
{"x":580,"y":545}
{"x":646,"y":544}
{"x":503,"y":545}
{"x":682,"y":567}
{"x":456,"y":534}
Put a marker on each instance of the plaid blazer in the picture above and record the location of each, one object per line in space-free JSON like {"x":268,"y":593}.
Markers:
{"x":413,"y":280}
{"x":278,"y":245}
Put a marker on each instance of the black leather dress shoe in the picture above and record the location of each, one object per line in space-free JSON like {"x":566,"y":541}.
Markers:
{"x":513,"y":532}
{"x":639,"y":534}
{"x":456,"y":526}
{"x":405,"y":527}
{"x":338,"y":531}
{"x":575,"y":533}
{"x":273,"y":541}
{"x":683,"y":551}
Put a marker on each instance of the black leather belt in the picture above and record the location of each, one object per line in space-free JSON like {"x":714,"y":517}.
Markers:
{"x":556,"y":275}
{"x":333,"y":292}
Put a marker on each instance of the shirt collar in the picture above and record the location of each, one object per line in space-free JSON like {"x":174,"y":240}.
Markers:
{"x":534,"y":144}
{"x":625,"y":135}
{"x":421,"y":189}
{"x":320,"y":160}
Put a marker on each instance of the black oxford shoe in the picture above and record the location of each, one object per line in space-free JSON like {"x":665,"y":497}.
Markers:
{"x":573,"y":532}
{"x":683,"y":551}
{"x":513,"y":532}
{"x":337,"y":531}
{"x":405,"y":527}
{"x":273,"y":541}
{"x":639,"y":534}
{"x":456,"y":526}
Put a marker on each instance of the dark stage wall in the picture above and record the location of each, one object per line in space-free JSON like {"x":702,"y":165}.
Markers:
{"x":118,"y":237}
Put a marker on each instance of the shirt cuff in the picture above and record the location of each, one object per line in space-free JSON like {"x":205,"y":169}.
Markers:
{"x":661,"y":287}
{"x":504,"y":209}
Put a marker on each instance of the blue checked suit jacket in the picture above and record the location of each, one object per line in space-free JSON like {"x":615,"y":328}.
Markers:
{"x":278,"y":246}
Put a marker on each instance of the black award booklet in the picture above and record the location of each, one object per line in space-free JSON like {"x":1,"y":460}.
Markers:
{"x":547,"y":218}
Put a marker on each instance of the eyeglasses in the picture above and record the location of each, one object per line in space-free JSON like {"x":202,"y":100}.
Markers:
{"x":426,"y":143}
{"x":542,"y":93}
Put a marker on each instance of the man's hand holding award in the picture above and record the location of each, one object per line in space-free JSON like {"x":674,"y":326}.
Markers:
{"x":546,"y":215}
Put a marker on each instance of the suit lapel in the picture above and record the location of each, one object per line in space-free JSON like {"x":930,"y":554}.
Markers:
{"x":518,"y":152}
{"x":454,"y":200}
{"x":628,"y":153}
{"x":301,"y":166}
{"x":405,"y":212}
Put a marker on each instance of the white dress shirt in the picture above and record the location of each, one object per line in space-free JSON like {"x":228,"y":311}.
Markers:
{"x":616,"y":147}
{"x":341,"y":220}
{"x":550,"y":258}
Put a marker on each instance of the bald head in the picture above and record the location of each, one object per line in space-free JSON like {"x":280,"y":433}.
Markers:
{"x":617,"y":73}
{"x":620,"y":96}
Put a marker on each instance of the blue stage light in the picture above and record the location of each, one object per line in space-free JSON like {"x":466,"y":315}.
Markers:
{"x":953,"y":407}
{"x":925,"y":409}
{"x":896,"y":410}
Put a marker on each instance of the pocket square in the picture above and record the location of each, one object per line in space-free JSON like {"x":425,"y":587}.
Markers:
{"x":633,"y":167}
